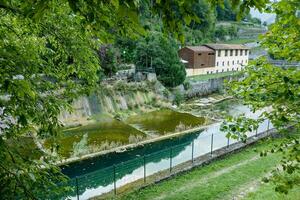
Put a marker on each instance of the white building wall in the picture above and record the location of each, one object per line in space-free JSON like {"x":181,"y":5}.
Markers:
{"x":230,"y":63}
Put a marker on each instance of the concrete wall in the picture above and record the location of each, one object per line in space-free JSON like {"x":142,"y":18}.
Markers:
{"x":201,"y":88}
{"x":211,"y":70}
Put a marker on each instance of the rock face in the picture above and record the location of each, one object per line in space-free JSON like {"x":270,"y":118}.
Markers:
{"x":151,"y":77}
{"x":112,"y":98}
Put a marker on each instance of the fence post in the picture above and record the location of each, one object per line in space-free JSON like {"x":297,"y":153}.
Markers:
{"x":193,"y":152}
{"x":77,"y":190}
{"x":227,"y":142}
{"x":211,"y":144}
{"x":115,"y":184}
{"x":170,"y":159}
{"x":144,"y":169}
{"x":256,"y":132}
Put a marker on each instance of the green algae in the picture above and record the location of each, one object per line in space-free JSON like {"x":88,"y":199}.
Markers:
{"x":105,"y":133}
{"x":165,"y":121}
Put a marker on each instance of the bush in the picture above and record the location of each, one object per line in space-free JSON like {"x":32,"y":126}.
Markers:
{"x":186,"y":85}
{"x":178,"y":99}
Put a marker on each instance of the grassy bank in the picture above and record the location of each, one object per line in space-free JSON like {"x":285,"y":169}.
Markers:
{"x":210,"y":76}
{"x":224,"y":179}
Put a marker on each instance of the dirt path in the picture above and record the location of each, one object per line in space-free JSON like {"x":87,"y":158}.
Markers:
{"x":242,"y":191}
{"x":200,"y":181}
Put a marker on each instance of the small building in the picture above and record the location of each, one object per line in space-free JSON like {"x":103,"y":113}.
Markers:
{"x":214,"y":58}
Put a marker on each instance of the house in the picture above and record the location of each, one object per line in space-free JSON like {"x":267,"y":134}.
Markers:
{"x":214,"y":58}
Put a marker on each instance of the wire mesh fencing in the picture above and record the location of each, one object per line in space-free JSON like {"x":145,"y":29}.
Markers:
{"x":154,"y":166}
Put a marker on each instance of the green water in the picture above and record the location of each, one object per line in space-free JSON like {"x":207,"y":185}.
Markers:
{"x":165,"y":121}
{"x":106,"y":133}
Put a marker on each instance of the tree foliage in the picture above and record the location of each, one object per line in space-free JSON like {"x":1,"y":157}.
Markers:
{"x":48,"y":58}
{"x":108,"y":56}
{"x":277,"y":88}
{"x":160,"y":53}
{"x":44,"y":66}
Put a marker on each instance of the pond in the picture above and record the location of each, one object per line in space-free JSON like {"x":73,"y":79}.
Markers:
{"x":165,"y":121}
{"x":108,"y":133}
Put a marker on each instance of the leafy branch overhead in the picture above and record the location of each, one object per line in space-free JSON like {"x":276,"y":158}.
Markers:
{"x":276,"y":90}
{"x":48,"y":51}
{"x":108,"y":19}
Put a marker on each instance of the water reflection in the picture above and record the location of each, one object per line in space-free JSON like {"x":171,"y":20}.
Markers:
{"x":129,"y":165}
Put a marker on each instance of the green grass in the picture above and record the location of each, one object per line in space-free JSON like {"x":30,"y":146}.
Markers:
{"x":219,"y":180}
{"x":240,"y":41}
{"x":210,"y":76}
{"x":266,"y":192}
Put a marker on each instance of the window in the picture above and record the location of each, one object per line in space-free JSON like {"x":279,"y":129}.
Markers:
{"x":242,"y":61}
{"x":217,"y":63}
{"x":231,"y":52}
{"x":246,"y":52}
{"x":238,"y":62}
{"x":222,"y":70}
{"x":233,"y":62}
{"x":236,"y":52}
{"x":228,"y":63}
{"x":241,"y":52}
{"x":226,"y":52}
{"x":223,"y":63}
{"x":199,"y":54}
{"x":202,"y":64}
{"x":207,"y":72}
{"x":246,"y":61}
{"x":219,"y":53}
{"x":211,"y":53}
{"x":232,"y":69}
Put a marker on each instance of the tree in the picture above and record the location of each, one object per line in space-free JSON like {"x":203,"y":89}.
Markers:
{"x":226,"y":12}
{"x":108,"y":56}
{"x":126,"y":47}
{"x":48,"y":59}
{"x":268,"y":86}
{"x":204,"y":11}
{"x":159,"y":52}
{"x":44,"y":65}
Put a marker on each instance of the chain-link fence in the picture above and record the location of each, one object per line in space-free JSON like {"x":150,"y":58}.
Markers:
{"x":156,"y":166}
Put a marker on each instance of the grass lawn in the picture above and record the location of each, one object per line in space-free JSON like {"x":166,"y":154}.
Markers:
{"x":210,"y":76}
{"x":241,"y":41}
{"x":227,"y":178}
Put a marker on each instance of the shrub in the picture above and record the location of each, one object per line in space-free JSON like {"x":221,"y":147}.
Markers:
{"x":178,"y":98}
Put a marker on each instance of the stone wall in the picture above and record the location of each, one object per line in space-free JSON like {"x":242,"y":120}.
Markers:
{"x":202,"y":88}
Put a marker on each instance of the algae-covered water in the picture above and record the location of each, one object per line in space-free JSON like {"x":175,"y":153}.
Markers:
{"x":165,"y":121}
{"x":101,"y":135}
{"x":107,"y":133}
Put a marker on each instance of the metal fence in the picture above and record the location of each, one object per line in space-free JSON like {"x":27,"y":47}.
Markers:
{"x":152,"y":167}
